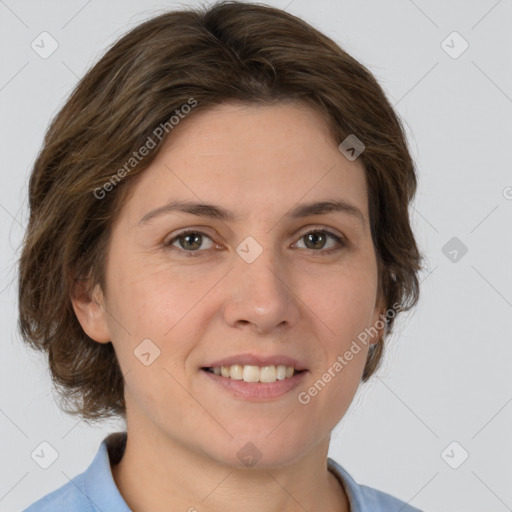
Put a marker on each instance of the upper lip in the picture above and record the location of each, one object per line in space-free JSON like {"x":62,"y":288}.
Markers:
{"x":258,"y":360}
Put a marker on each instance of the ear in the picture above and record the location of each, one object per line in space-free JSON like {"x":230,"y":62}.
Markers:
{"x":89,"y":307}
{"x":379,"y":320}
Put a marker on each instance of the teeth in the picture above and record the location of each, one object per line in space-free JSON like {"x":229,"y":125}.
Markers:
{"x":281,"y":372}
{"x":268,"y":374}
{"x":250,"y":373}
{"x":236,"y":372}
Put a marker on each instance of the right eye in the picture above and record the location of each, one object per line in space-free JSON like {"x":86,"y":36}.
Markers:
{"x":190,"y":241}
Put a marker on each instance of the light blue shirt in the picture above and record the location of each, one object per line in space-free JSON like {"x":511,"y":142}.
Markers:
{"x":95,"y":490}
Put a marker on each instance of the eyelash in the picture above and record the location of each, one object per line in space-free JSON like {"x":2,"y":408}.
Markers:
{"x":196,"y":253}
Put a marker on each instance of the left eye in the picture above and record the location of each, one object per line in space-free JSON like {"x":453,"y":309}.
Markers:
{"x":190,"y":241}
{"x":321,"y":235}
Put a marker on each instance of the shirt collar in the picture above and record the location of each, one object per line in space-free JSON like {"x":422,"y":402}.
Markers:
{"x":351,"y":487}
{"x":99,"y":483}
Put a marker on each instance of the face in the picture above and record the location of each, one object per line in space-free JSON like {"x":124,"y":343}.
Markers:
{"x":267,"y":287}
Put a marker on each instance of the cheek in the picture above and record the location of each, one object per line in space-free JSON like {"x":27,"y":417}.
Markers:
{"x":152,"y":324}
{"x":158,"y":303}
{"x":139,"y":293}
{"x":343,"y":299}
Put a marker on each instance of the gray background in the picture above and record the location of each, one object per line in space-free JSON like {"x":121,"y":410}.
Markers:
{"x":446,"y":374}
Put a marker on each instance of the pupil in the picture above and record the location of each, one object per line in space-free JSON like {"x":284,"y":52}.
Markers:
{"x":195,"y":238}
{"x":314,"y":236}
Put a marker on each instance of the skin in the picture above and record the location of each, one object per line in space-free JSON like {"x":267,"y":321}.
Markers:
{"x":184,"y":431}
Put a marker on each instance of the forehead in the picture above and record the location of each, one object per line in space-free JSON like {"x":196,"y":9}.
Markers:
{"x":251,"y":158}
{"x":240,"y":127}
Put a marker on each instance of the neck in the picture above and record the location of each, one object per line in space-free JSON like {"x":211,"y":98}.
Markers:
{"x":156,"y":475}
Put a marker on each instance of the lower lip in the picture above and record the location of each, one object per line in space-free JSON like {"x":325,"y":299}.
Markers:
{"x":258,"y":391}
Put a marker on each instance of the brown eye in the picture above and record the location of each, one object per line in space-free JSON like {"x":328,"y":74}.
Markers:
{"x":316,"y":241}
{"x":188,"y":242}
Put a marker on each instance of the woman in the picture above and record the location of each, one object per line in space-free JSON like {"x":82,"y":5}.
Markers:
{"x":218,"y":246}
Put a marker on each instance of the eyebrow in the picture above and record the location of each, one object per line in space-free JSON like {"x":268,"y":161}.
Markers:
{"x":220,"y":213}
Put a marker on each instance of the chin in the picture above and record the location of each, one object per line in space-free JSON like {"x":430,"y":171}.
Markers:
{"x":264,"y":450}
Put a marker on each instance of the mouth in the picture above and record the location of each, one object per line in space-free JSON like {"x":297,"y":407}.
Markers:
{"x":252,"y":373}
{"x":255,"y":383}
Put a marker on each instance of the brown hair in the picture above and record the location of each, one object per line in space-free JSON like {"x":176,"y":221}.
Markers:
{"x":227,"y":52}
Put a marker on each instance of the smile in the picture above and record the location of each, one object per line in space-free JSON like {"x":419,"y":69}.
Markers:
{"x":251,"y":373}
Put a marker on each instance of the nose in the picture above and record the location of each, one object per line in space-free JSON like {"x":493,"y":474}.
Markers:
{"x":261,"y":295}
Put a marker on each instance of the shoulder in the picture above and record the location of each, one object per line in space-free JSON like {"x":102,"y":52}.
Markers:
{"x":69,"y":497}
{"x":367,"y":499}
{"x":378,"y":500}
{"x":94,"y":490}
